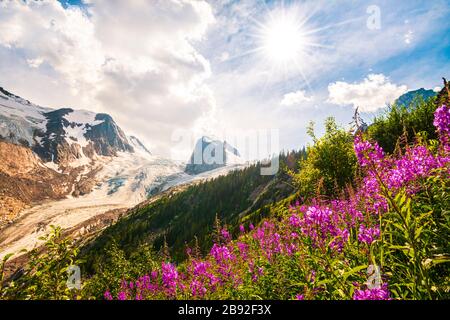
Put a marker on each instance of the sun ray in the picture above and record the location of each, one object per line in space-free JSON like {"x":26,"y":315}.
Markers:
{"x":338,"y":24}
{"x":287,"y":41}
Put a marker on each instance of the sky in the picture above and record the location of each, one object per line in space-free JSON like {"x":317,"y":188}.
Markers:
{"x":166,"y":69}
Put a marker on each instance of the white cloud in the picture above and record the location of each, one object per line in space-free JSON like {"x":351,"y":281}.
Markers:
{"x":224,"y":56}
{"x":295,"y":98}
{"x":135,"y":60}
{"x":408,"y":37}
{"x":35,"y":63}
{"x":373,"y":93}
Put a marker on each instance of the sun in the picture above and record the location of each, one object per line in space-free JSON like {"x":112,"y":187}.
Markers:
{"x":286,"y":41}
{"x":283,"y":41}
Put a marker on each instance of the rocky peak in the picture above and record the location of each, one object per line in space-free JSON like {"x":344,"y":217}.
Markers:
{"x":210,"y":154}
{"x":107,"y":136}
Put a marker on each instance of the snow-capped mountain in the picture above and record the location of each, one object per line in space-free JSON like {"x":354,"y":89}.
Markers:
{"x":51,"y":154}
{"x":210,"y":154}
{"x":20,"y":119}
{"x":64,"y":136}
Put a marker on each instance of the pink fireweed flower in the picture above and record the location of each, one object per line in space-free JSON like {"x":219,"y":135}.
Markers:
{"x":299,"y":297}
{"x":260,"y":271}
{"x":316,"y":215}
{"x":221,"y":254}
{"x":122,"y":296}
{"x":442,"y":124}
{"x":317,"y":223}
{"x":200,"y":267}
{"x":416,"y":163}
{"x":290,"y":248}
{"x":368,"y":235}
{"x":243,"y":249}
{"x":294,"y":220}
{"x":372,"y":294}
{"x":169,"y":276}
{"x":242,"y":228}
{"x":197,"y":288}
{"x":340,"y":239}
{"x":366,"y":152}
{"x":108,"y":295}
{"x":347,"y":211}
{"x":225,"y":235}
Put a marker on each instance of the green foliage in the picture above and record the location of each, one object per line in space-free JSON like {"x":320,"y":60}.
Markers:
{"x":46,"y":274}
{"x":415,"y":245}
{"x":330,"y":164}
{"x":2,"y":272}
{"x":116,"y":268}
{"x":404,"y":122}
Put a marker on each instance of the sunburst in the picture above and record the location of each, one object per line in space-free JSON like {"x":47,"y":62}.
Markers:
{"x":286,"y":40}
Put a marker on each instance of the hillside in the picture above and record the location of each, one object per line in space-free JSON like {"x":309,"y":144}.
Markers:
{"x":179,"y":218}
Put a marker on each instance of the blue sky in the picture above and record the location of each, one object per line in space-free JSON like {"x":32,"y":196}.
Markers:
{"x":66,"y":3}
{"x":411,"y":48}
{"x":210,"y":67}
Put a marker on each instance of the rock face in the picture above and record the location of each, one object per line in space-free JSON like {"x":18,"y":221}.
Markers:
{"x":24,"y":179}
{"x":66,"y":140}
{"x":107,"y":137}
{"x":211,"y":154}
{"x":51,"y":144}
